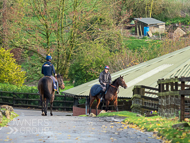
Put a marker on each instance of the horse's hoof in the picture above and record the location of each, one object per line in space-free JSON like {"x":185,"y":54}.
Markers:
{"x":43,"y":114}
{"x":51,"y":114}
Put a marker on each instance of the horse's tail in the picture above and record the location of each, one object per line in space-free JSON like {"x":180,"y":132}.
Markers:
{"x":47,"y":93}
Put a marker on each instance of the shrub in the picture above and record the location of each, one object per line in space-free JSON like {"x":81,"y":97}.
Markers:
{"x":14,"y":88}
{"x":10,"y":71}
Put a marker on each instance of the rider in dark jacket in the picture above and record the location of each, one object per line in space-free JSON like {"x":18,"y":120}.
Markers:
{"x":48,"y":68}
{"x":105,"y":80}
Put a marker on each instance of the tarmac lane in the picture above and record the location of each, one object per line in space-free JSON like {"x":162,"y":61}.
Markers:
{"x":30,"y":127}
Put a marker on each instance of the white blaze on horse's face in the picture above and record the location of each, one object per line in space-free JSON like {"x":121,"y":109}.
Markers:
{"x":123,"y":83}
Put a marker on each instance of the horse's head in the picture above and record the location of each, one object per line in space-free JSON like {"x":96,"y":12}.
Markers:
{"x":121,"y":82}
{"x":60,"y":81}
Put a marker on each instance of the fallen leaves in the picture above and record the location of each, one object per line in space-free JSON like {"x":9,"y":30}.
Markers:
{"x":186,"y":120}
{"x":184,"y":135}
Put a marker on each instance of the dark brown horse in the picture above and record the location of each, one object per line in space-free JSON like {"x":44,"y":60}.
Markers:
{"x":47,"y":93}
{"x":111,"y":94}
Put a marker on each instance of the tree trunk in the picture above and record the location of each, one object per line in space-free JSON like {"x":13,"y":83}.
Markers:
{"x":4,"y":22}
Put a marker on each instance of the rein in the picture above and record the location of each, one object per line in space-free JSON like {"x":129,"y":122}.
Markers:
{"x":115,"y":88}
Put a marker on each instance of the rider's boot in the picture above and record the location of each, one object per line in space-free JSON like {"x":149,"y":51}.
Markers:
{"x":102,"y":95}
{"x":57,"y":88}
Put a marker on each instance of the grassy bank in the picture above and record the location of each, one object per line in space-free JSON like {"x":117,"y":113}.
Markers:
{"x":6,"y":121}
{"x":158,"y":124}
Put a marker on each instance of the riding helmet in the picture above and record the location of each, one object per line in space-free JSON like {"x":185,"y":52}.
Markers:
{"x":48,"y":57}
{"x":107,"y":67}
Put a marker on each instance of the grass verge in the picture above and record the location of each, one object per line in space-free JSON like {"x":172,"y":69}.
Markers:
{"x":133,"y":43}
{"x":5,"y":120}
{"x":161,"y":126}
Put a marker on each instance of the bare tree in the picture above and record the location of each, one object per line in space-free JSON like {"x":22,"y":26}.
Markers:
{"x":4,"y":23}
{"x":61,"y":28}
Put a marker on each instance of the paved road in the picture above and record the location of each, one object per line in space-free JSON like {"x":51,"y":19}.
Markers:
{"x":30,"y":126}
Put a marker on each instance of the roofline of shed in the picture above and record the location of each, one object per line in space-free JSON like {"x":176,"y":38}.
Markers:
{"x":147,"y":23}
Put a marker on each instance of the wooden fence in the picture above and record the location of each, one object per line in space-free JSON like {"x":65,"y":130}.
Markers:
{"x":173,"y":98}
{"x":32,"y":100}
{"x":175,"y":93}
{"x":142,"y":102}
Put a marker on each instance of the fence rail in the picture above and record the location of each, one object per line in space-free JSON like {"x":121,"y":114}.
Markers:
{"x":32,"y":100}
{"x":141,"y":100}
{"x":178,"y":90}
{"x":173,"y":97}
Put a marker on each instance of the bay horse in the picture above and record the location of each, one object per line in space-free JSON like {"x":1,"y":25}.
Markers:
{"x":47,"y":93}
{"x":111,"y":95}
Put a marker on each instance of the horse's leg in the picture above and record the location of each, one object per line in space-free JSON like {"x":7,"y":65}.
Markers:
{"x":51,"y":103}
{"x":107,"y":104}
{"x":43,"y":108}
{"x":46,"y":106}
{"x":91,"y":102}
{"x":45,"y":112}
{"x":115,"y":104}
{"x":98,"y":103}
{"x":42,"y":104}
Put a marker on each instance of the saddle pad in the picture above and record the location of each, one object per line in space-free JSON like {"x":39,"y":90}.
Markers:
{"x":95,"y":89}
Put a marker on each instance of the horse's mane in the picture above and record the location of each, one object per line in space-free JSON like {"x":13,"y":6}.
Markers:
{"x":114,"y":81}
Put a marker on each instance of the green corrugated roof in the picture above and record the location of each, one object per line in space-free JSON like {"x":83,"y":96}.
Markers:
{"x":173,"y":64}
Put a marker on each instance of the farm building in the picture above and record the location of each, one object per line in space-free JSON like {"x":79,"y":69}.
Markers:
{"x":147,"y":73}
{"x":153,"y":25}
{"x":144,"y":75}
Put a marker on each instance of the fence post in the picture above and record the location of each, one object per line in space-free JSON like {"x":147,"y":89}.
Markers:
{"x":167,"y":87}
{"x":39,"y":103}
{"x":162,"y":86}
{"x":159,"y":86}
{"x":161,"y":98}
{"x":182,"y":102}
{"x":86,"y":105}
{"x":176,"y":84}
{"x":172,"y":86}
{"x":13,"y":100}
{"x":27,"y":98}
{"x":65,"y":98}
